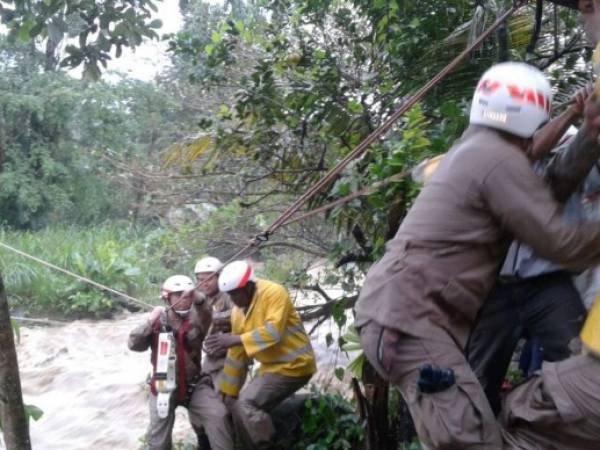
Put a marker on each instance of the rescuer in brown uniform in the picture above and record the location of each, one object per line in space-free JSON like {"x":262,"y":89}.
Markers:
{"x":419,"y":302}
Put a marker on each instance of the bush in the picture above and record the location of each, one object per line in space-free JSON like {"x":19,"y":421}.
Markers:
{"x":111,"y":255}
{"x":330,"y":423}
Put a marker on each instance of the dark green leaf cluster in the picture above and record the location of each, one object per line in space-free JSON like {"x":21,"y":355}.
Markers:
{"x":330,"y":423}
{"x":95,"y":28}
{"x":314,"y":78}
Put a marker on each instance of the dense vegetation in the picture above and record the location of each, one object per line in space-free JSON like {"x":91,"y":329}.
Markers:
{"x":260,"y":99}
{"x":125,"y":181}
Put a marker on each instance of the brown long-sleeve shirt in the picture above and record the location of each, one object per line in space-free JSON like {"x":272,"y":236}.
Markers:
{"x":141,"y":337}
{"x":222,"y":306}
{"x":444,"y":259}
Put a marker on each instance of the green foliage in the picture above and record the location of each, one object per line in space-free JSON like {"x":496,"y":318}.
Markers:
{"x":287,"y":267}
{"x":94,"y":29}
{"x":16,"y":330}
{"x":186,"y":444}
{"x":415,"y":445}
{"x":114,"y":256}
{"x":33,"y":412}
{"x":329,"y":423}
{"x":514,"y":376}
{"x":315,"y":78}
{"x":65,"y":144}
{"x":352,"y":344}
{"x":34,"y":178}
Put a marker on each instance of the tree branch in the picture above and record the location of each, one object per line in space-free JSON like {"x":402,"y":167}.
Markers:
{"x":312,"y":312}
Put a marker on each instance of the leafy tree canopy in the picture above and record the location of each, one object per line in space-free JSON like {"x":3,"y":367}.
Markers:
{"x":93,"y":30}
{"x":313,"y":79}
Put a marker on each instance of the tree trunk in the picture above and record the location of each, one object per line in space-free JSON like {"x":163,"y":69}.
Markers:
{"x":12,"y":411}
{"x":373,"y":409}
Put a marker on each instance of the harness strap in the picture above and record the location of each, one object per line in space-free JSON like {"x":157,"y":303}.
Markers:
{"x":181,"y":359}
{"x":153,"y":355}
{"x":180,"y":350}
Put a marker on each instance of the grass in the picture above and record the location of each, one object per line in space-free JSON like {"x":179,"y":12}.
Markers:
{"x":113,"y":255}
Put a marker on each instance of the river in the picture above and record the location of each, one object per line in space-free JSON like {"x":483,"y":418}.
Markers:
{"x":92,"y":389}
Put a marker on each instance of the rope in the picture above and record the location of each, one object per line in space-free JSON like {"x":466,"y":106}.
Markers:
{"x":79,"y":277}
{"x":285,"y":217}
{"x":359,"y":150}
{"x":364,"y":145}
{"x":45,"y":321}
{"x":348,"y":198}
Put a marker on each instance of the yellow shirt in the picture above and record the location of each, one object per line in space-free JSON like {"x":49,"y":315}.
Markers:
{"x":272,"y":333}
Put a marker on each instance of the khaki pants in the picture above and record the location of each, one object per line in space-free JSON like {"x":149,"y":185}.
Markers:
{"x":459,"y":417}
{"x":557,"y":410}
{"x":250,"y":411}
{"x":205,"y":409}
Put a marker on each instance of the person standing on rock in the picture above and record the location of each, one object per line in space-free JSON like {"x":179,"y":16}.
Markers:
{"x":188,"y":319}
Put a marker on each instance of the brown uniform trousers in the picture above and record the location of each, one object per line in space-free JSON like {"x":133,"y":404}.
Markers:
{"x":205,"y":410}
{"x":250,"y":410}
{"x":559,"y":409}
{"x":459,"y":417}
{"x":437,"y":271}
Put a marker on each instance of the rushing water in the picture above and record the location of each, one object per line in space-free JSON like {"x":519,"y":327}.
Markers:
{"x":92,"y":388}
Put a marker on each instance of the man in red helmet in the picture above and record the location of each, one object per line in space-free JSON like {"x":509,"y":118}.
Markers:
{"x":265,"y":327}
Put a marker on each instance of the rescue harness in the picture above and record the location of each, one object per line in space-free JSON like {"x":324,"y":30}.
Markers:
{"x":169,"y":355}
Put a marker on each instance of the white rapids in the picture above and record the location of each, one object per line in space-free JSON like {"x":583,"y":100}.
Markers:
{"x":93,"y":391}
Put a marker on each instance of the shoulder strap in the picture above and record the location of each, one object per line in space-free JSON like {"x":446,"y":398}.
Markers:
{"x":156,"y":326}
{"x":181,"y":360}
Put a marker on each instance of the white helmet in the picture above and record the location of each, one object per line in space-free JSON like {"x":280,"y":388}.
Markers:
{"x":235,"y":276}
{"x":208,"y":264}
{"x":177,"y":283}
{"x":513,"y":97}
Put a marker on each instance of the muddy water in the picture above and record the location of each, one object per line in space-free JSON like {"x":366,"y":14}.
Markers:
{"x":92,"y":388}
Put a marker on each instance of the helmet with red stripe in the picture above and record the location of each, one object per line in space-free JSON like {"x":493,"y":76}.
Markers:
{"x":235,"y":275}
{"x":512,"y":97}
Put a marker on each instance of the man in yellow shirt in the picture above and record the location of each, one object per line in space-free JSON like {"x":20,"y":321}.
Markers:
{"x":265,"y":327}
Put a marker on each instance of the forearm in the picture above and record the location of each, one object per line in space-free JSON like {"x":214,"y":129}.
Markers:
{"x":549,"y":135}
{"x":140,"y":337}
{"x":568,"y":169}
{"x":575,"y":246}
